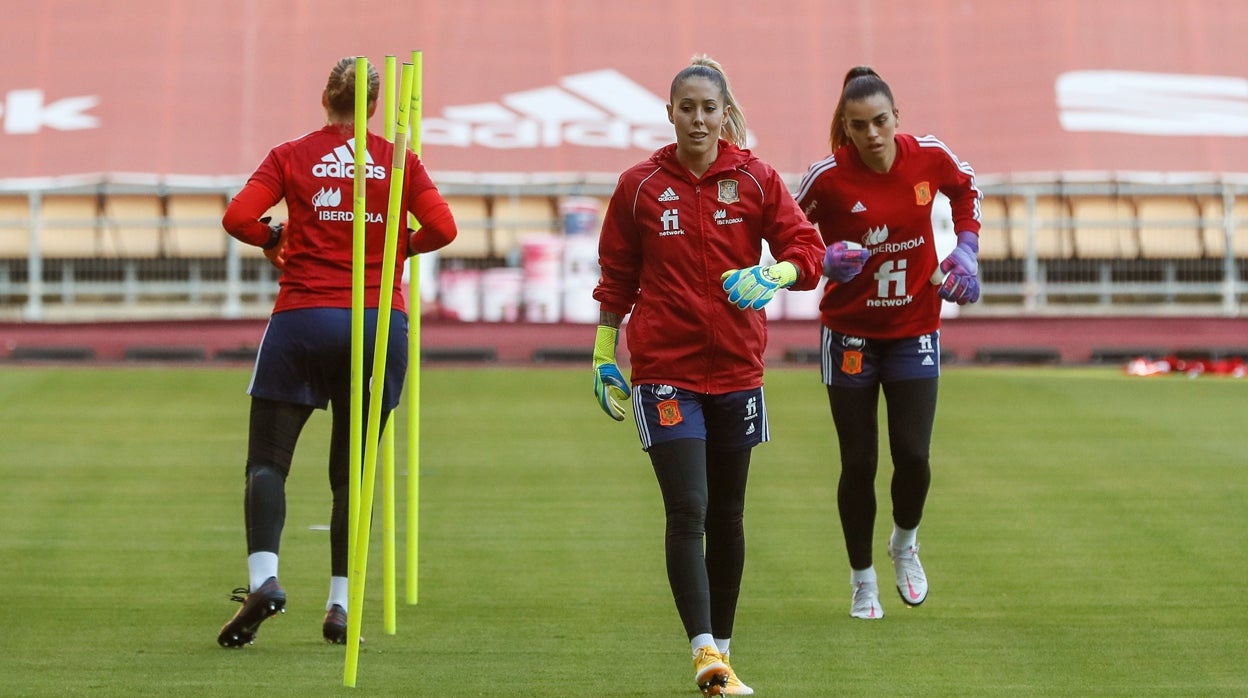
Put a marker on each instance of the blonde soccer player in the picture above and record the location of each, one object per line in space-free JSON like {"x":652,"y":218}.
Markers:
{"x":305,"y":355}
{"x":680,"y":250}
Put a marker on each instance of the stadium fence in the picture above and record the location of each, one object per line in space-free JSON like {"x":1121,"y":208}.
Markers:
{"x":103,"y":247}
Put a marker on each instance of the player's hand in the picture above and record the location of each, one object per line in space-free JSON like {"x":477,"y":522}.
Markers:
{"x":411,"y":238}
{"x":609,"y":385}
{"x":843,"y":260}
{"x":275,"y":249}
{"x":964,"y":259}
{"x":959,"y":288}
{"x":961,"y":271}
{"x":754,"y":286}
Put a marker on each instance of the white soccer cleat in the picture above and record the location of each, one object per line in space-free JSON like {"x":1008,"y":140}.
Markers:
{"x":866,"y":602}
{"x":911,"y":580}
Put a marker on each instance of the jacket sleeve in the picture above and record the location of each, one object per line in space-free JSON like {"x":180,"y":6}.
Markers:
{"x":790,"y":236}
{"x":242,"y":216}
{"x":619,"y":254}
{"x":964,"y":196}
{"x":262,"y":191}
{"x":425,"y":202}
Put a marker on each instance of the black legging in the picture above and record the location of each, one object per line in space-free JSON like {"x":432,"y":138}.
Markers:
{"x":911,"y":409}
{"x":273,"y":433}
{"x":704,"y":497}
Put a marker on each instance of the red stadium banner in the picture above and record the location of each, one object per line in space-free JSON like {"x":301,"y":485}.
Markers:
{"x":564,"y":89}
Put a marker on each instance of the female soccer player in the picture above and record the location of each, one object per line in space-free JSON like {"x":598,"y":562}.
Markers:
{"x":304,"y":358}
{"x":680,"y":250}
{"x":872,"y":200}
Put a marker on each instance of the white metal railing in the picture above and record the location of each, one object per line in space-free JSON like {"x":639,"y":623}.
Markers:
{"x":1184,"y":278}
{"x":1206,"y":272}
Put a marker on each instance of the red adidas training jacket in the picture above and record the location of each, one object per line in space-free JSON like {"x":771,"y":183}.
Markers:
{"x":666,"y":240}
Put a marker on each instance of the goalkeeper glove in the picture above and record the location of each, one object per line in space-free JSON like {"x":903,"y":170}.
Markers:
{"x":843,"y":260}
{"x":961,"y":283}
{"x":609,"y":385}
{"x":275,"y":248}
{"x":753,"y":286}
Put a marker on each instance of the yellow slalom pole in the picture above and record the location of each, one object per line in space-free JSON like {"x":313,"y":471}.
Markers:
{"x":384,"y":304}
{"x":413,"y":363}
{"x":355,"y":581}
{"x":389,"y":572}
{"x":389,"y":96}
{"x":388,"y":581}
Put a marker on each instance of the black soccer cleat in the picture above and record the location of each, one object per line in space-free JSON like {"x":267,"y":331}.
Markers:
{"x":259,"y":605}
{"x":334,"y":629}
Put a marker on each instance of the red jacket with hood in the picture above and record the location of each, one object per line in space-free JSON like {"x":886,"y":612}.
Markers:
{"x":668,"y":237}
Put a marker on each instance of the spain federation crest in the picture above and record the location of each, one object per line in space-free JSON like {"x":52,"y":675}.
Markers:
{"x":851,"y":362}
{"x":669,"y":413}
{"x":922,"y":194}
{"x":728,"y":191}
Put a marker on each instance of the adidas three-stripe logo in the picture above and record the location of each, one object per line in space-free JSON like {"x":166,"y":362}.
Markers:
{"x":340,"y":162}
{"x":669,"y":195}
{"x":596,"y":109}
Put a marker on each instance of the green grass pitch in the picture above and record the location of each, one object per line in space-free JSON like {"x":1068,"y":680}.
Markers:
{"x":1084,"y":536}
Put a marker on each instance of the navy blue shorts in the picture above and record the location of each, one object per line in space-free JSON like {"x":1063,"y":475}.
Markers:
{"x":730,"y":421}
{"x":305,"y":357}
{"x":856,"y":362}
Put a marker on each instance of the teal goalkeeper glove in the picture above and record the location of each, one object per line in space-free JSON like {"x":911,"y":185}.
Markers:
{"x":609,"y":385}
{"x":754,"y":286}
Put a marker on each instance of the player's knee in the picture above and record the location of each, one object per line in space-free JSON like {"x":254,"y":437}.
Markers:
{"x":341,"y":491}
{"x":686,"y":515}
{"x":911,"y":462}
{"x":725,"y":525}
{"x":857,"y":475}
{"x":263,"y":471}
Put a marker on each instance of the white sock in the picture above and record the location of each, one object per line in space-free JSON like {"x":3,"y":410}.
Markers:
{"x":337,"y":593}
{"x":722,"y":645}
{"x":703,"y":640}
{"x":860,"y":576}
{"x":261,"y":566}
{"x":903,"y":538}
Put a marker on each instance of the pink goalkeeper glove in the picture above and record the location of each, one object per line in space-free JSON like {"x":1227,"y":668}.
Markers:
{"x":959,"y":272}
{"x":843,"y":260}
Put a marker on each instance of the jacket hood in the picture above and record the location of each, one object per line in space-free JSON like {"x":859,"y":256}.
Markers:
{"x":730,"y":158}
